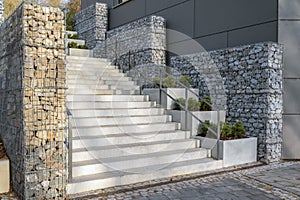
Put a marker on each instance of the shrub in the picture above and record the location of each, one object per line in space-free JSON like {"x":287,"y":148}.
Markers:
{"x":205,"y":104}
{"x":69,"y":28}
{"x":204,"y":129}
{"x":169,"y":82}
{"x":72,"y":45}
{"x":82,"y":46}
{"x":226,"y":131}
{"x":74,"y":36}
{"x":185,"y":80}
{"x":238,"y":130}
{"x":193,"y":104}
{"x":177,"y":103}
{"x":156,"y":82}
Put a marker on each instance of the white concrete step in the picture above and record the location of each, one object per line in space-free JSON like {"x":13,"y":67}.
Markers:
{"x":126,"y":163}
{"x":79,"y":81}
{"x":110,"y":121}
{"x":95,"y":85}
{"x":81,"y":59}
{"x":98,"y":77}
{"x":72,"y":32}
{"x":95,"y":72}
{"x":80,"y":52}
{"x":93,"y":98}
{"x":83,"y":141}
{"x":92,"y":66}
{"x":110,"y":105}
{"x":84,"y":154}
{"x":94,"y":131}
{"x":117,"y":112}
{"x":152,"y":172}
{"x":89,"y":91}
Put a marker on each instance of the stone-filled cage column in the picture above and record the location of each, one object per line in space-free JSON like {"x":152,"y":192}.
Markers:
{"x":32,"y":100}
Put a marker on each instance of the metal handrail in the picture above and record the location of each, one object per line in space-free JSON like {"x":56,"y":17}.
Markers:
{"x":70,"y":144}
{"x":184,"y":107}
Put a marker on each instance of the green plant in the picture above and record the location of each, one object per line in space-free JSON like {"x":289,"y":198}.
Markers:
{"x":156,"y":82}
{"x":193,"y":104}
{"x":185,"y":80}
{"x":82,"y":46}
{"x":74,"y":36}
{"x":169,"y":82}
{"x":226,"y":131}
{"x":204,"y":129}
{"x":177,"y":103}
{"x":205,"y":104}
{"x":69,"y":28}
{"x":72,"y":45}
{"x":238,"y":130}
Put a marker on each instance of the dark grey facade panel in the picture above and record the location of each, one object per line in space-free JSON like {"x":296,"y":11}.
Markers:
{"x":154,"y":6}
{"x":253,"y":34}
{"x":291,"y":96}
{"x":212,"y":42}
{"x":180,"y":18}
{"x":291,"y":137}
{"x":289,"y":34}
{"x":289,"y":9}
{"x":126,"y":13}
{"x":213,"y":16}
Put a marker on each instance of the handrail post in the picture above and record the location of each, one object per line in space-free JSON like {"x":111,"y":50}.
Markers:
{"x":186,"y":109}
{"x":70,"y":146}
{"x":218,"y":133}
{"x":160,"y":86}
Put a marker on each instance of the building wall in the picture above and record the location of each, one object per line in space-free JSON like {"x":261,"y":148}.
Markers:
{"x":214,"y":24}
{"x":289,"y":34}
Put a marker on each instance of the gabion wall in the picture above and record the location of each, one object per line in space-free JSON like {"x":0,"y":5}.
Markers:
{"x":141,"y":42}
{"x":91,"y":24}
{"x":251,"y":78}
{"x":32,"y":100}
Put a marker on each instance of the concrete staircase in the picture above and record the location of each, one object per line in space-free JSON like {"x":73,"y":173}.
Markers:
{"x":119,"y":136}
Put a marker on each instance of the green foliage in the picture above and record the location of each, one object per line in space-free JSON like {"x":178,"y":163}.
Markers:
{"x":156,"y":82}
{"x":82,"y":46}
{"x":204,"y":129}
{"x":73,"y":7}
{"x":169,"y":82}
{"x":205,"y":104}
{"x":226,"y":131}
{"x":74,"y":36}
{"x":185,"y":80}
{"x":238,"y":130}
{"x":76,"y":46}
{"x":194,"y":105}
{"x":69,"y":28}
{"x":72,"y":45}
{"x":177,"y":103}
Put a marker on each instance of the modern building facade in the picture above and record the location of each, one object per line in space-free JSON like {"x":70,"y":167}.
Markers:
{"x":221,"y":24}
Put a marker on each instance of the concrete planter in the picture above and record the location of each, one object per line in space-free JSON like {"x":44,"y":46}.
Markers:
{"x":4,"y":174}
{"x":232,"y":152}
{"x":192,"y":123}
{"x":166,"y":101}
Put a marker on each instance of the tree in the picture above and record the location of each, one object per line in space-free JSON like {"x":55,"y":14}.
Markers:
{"x":54,"y":2}
{"x":10,"y":6}
{"x":73,"y":7}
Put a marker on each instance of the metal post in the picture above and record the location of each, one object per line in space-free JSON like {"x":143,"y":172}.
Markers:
{"x":70,"y":148}
{"x":218,"y":133}
{"x":160,"y":86}
{"x":186,"y":110}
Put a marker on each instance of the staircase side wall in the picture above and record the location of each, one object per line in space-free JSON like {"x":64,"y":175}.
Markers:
{"x":33,"y":112}
{"x":91,"y":24}
{"x":1,"y":11}
{"x":248,"y":80}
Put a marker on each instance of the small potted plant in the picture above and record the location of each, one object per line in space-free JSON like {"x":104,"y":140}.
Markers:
{"x":170,"y":88}
{"x":234,"y":147}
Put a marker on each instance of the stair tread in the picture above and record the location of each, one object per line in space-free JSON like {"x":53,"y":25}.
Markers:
{"x":123,"y":134}
{"x":120,"y":117}
{"x":138,"y":124}
{"x":146,"y":170}
{"x":144,"y":144}
{"x":138,"y":156}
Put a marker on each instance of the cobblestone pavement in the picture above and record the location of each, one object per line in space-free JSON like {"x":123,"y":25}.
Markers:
{"x":274,"y":181}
